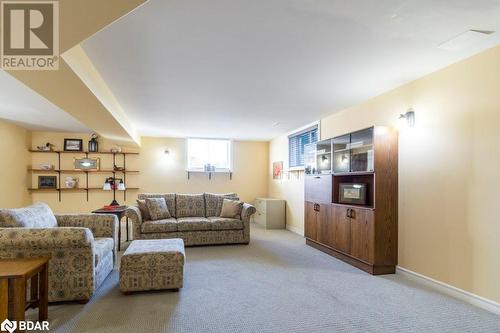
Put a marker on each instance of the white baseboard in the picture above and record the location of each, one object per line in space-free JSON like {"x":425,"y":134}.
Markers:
{"x":296,"y":230}
{"x":449,"y":290}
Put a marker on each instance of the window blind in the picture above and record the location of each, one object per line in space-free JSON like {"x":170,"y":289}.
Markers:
{"x":296,"y":143}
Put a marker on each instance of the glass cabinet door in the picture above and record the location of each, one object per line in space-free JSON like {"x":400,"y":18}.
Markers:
{"x":362,"y":150}
{"x":341,"y":153}
{"x":310,"y":158}
{"x":324,"y":156}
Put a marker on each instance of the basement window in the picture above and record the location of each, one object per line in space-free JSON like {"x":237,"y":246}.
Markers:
{"x":214,"y":152}
{"x":296,"y":143}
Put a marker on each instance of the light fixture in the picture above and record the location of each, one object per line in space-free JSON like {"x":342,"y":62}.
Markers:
{"x":113,"y":184}
{"x":121,"y":185}
{"x":166,"y":152}
{"x":408,"y":118}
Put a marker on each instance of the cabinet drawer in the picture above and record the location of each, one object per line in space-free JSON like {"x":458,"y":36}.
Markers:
{"x":318,"y":188}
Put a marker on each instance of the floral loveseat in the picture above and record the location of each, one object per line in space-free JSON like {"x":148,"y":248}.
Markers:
{"x":82,"y":247}
{"x":195,"y":218}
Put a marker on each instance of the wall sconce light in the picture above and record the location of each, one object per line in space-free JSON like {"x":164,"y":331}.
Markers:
{"x":408,"y":118}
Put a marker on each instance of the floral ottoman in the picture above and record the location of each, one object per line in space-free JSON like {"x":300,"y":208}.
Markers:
{"x":152,"y":264}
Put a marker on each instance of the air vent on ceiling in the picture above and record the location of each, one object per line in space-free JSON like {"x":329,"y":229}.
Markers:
{"x":465,"y":39}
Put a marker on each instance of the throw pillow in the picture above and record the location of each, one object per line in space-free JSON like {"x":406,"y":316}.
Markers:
{"x":213,"y":202}
{"x":231,"y":208}
{"x":157,"y":208}
{"x":144,"y":210}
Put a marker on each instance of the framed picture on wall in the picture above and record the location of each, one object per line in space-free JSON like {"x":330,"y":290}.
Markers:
{"x":278,"y":170}
{"x":73,"y":145}
{"x":86,"y":164}
{"x":47,"y":182}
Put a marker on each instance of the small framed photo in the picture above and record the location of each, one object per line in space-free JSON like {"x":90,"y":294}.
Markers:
{"x":73,"y":145}
{"x":278,"y":170}
{"x":47,"y":182}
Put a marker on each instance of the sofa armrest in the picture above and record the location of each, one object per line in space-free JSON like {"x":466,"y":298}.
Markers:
{"x":33,"y":239}
{"x":134,"y":214}
{"x":71,"y":251}
{"x":247,"y":212}
{"x":101,"y":225}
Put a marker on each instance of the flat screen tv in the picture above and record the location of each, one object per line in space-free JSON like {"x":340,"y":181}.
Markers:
{"x":352,"y":193}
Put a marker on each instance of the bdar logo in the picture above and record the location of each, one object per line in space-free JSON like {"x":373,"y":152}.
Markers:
{"x":8,"y":326}
{"x":30,"y":35}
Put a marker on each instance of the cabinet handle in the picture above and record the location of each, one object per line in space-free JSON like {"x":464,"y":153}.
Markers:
{"x":353,"y":214}
{"x":348,"y":213}
{"x":317,"y":177}
{"x":318,"y":207}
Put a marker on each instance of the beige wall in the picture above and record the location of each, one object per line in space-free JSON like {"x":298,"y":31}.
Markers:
{"x":448,"y":171}
{"x":167,"y":173}
{"x":14,"y":142}
{"x":158,"y":172}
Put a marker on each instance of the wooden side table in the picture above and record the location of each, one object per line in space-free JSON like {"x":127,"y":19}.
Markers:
{"x":118,"y":212}
{"x":14,"y":273}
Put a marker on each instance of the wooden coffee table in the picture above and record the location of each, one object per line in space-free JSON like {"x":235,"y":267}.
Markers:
{"x":14,"y":273}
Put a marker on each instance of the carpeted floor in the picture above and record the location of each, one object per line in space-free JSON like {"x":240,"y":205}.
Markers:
{"x":275,"y":284}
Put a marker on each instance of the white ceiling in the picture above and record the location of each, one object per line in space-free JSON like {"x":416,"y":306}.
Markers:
{"x":234,"y":68}
{"x":24,"y":107}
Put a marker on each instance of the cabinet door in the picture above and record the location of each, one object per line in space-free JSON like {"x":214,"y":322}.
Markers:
{"x":310,"y":221}
{"x":318,"y":188}
{"x":326,"y":229}
{"x":342,"y":153}
{"x":362,"y":234}
{"x":342,"y":229}
{"x":362,"y":150}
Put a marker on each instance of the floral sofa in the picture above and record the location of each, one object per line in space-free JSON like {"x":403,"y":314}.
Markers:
{"x":195,"y":218}
{"x":82,"y":247}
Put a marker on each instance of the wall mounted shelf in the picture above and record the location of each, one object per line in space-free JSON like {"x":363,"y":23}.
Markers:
{"x":82,"y":171}
{"x":60,"y":171}
{"x":209,"y":173}
{"x":76,"y":189}
{"x":80,"y":152}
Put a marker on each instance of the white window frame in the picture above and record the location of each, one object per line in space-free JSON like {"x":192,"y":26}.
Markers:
{"x":231,"y":141}
{"x":295,"y":132}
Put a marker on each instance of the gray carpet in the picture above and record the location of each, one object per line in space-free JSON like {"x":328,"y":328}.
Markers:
{"x":275,"y":284}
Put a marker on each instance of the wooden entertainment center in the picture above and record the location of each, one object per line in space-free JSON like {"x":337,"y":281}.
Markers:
{"x":364,"y":234}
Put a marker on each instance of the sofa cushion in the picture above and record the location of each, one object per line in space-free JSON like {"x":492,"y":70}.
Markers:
{"x":166,"y":225}
{"x":144,"y":210}
{"x":225,"y":223}
{"x":38,"y":215}
{"x":169,"y":198}
{"x":231,"y":208}
{"x":213,"y":202}
{"x":102,"y":245}
{"x":190,"y":205}
{"x":193,"y":224}
{"x":157,"y":208}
